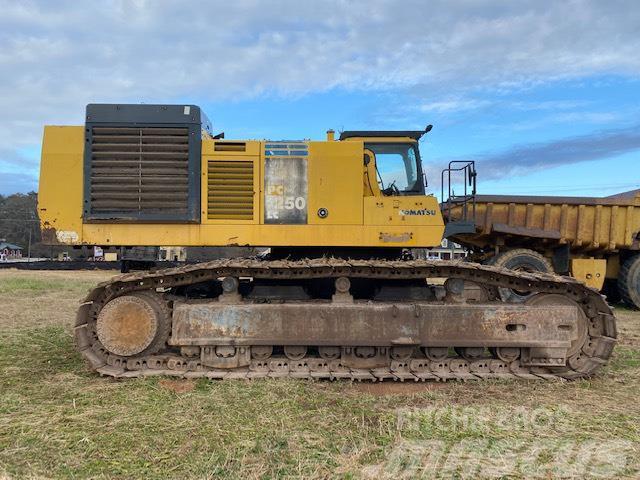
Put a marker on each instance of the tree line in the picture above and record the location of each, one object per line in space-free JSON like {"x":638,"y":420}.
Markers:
{"x":19,"y":222}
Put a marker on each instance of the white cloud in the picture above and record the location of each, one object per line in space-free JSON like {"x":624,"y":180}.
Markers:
{"x":454,"y":105}
{"x":549,"y":105}
{"x":57,"y":56}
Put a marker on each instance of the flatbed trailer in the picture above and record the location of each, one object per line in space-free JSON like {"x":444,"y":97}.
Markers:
{"x":596,"y":240}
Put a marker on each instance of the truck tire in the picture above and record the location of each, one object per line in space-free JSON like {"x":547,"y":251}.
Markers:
{"x":520,"y":259}
{"x":611,"y":290}
{"x":629,"y":282}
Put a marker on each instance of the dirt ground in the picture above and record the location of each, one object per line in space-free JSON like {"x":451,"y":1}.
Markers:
{"x":59,"y":420}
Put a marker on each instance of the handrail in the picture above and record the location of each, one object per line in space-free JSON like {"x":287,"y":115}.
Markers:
{"x":467,"y":199}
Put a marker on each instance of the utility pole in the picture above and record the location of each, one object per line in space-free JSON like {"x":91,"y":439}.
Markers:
{"x":28,"y":222}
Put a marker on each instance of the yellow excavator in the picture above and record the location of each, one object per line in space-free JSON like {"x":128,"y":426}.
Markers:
{"x":338,"y":295}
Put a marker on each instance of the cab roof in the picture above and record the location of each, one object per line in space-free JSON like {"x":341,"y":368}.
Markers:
{"x":415,"y":134}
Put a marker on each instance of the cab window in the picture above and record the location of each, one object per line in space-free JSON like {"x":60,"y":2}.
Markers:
{"x":397,"y":168}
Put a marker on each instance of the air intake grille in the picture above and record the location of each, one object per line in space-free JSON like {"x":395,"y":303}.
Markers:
{"x":139,"y":171}
{"x":230,"y":191}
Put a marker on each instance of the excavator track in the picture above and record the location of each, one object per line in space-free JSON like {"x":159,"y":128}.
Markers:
{"x":158,"y":294}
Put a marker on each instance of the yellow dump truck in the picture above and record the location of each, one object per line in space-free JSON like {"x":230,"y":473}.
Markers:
{"x":596,"y":240}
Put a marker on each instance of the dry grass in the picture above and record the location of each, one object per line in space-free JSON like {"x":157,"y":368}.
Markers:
{"x":59,"y":420}
{"x":35,"y":299}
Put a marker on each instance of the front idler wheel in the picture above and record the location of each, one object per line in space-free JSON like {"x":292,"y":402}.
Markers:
{"x":134,"y":325}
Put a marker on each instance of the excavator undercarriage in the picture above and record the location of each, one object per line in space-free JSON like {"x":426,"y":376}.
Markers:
{"x":355,"y":319}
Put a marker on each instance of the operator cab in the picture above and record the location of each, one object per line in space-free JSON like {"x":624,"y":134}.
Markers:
{"x":394,"y":158}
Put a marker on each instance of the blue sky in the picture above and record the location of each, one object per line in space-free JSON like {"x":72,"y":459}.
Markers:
{"x":545,"y":96}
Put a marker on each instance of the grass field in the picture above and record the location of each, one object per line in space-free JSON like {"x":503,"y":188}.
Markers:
{"x":59,"y":420}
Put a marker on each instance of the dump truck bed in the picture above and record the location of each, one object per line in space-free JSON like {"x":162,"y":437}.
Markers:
{"x":589,"y":224}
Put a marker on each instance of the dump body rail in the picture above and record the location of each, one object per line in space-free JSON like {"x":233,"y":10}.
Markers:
{"x":593,"y":225}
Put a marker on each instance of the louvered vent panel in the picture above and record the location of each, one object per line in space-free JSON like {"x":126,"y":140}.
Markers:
{"x":230,"y":191}
{"x":139,"y":171}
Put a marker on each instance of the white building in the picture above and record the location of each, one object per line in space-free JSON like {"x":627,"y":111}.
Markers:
{"x":446,"y":251}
